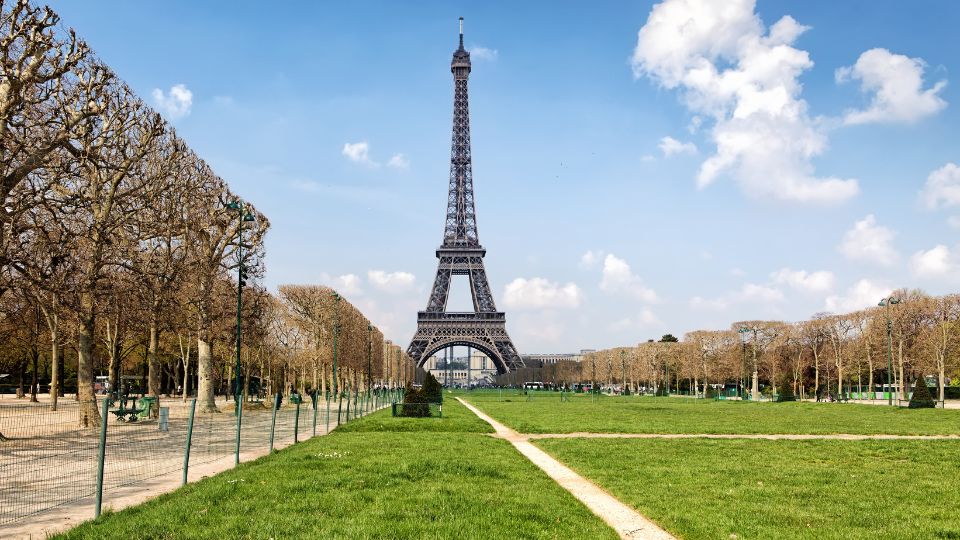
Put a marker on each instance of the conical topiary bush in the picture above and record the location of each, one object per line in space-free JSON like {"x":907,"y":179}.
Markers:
{"x":921,"y":398}
{"x":431,"y":389}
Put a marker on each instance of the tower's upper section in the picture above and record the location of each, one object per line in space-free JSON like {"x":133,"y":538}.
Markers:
{"x":460,"y":231}
{"x":460,"y":65}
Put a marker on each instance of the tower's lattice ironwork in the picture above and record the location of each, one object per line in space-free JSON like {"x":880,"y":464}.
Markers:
{"x":461,"y":254}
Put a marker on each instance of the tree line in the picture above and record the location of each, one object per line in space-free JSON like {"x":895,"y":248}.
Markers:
{"x":121,"y":250}
{"x":917,"y":335}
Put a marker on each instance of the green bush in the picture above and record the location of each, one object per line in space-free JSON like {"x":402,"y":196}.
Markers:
{"x":786,"y":390}
{"x":921,"y":398}
{"x":414,"y":403}
{"x":431,"y":389}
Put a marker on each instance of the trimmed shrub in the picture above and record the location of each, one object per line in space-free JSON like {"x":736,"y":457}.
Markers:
{"x":432,"y":390}
{"x":786,"y":391}
{"x":414,"y":403}
{"x":921,"y":398}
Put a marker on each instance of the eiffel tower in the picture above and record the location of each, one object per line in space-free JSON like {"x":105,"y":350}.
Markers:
{"x":461,"y":254}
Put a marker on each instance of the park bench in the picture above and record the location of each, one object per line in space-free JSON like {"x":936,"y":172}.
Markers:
{"x":142,"y":409}
{"x":124,"y":414}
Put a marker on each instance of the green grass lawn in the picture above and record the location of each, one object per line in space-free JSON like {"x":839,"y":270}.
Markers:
{"x":455,"y":417}
{"x":545,"y":413}
{"x":779,"y":489}
{"x":377,"y":477}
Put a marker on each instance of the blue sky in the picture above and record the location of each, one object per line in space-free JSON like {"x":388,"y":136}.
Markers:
{"x":808,"y":165}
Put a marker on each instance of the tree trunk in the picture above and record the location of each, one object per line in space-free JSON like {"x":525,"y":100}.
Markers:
{"x":872,"y":391}
{"x":153,"y":365}
{"x":205,"y":395}
{"x":940,"y":377}
{"x":34,"y":383}
{"x":903,"y":385}
{"x":21,"y":367}
{"x":755,"y":382}
{"x":54,"y":371}
{"x":816,"y":373}
{"x":89,"y":415}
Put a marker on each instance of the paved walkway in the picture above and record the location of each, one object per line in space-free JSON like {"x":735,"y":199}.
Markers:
{"x":764,"y":436}
{"x":626,"y":521}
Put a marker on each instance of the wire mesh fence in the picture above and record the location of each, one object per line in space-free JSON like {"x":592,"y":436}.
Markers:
{"x":47,"y":460}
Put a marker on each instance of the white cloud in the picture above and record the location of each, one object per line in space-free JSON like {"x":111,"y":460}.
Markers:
{"x":942,"y":188}
{"x":671,"y":147}
{"x":538,"y":293}
{"x":359,"y":153}
{"x":759,"y":293}
{"x":390,"y":281}
{"x":935,"y":262}
{"x":589,"y":259}
{"x":954,"y":221}
{"x":483,"y":53}
{"x":748,"y":293}
{"x":618,"y":278}
{"x":645,"y":319}
{"x":896,"y":83}
{"x":345,"y":284}
{"x":812,"y":282}
{"x":544,"y":330}
{"x":708,"y":304}
{"x":647,"y":158}
{"x":399,"y":161}
{"x":869,"y":242}
{"x":174,"y":104}
{"x":862,"y":294}
{"x":731,"y":69}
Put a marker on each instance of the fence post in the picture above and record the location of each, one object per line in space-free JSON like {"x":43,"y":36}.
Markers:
{"x":239,"y":404}
{"x":186,"y":451}
{"x":101,"y":453}
{"x":316,"y":405}
{"x":328,"y":411}
{"x":273,"y":421}
{"x":296,"y":424}
{"x":339,"y":405}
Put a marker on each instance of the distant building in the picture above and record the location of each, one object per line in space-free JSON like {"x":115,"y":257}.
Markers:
{"x":540,"y":360}
{"x":481,"y":370}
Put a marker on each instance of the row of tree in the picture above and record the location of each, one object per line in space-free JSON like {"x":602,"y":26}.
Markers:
{"x":917,"y":335}
{"x":119,"y":248}
{"x":111,"y":226}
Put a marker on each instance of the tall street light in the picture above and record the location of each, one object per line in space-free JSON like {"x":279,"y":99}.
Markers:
{"x":240,"y":208}
{"x":743,"y":357}
{"x":886,"y":303}
{"x":369,"y":359}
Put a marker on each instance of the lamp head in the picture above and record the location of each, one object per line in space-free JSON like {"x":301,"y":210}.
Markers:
{"x":233,"y":205}
{"x":894,"y":301}
{"x":249,"y":217}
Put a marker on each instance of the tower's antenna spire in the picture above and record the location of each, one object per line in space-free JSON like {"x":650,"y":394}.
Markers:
{"x":461,"y":32}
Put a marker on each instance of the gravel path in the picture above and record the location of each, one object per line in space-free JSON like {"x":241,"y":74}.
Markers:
{"x":769,"y":437}
{"x":625,"y":520}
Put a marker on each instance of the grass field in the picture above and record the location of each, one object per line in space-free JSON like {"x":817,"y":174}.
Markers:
{"x":378,"y":477}
{"x":545,"y":413}
{"x":779,"y":489}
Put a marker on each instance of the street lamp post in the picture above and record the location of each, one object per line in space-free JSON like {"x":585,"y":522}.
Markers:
{"x":369,"y":360}
{"x":623,"y":374}
{"x":245,"y":216}
{"x":886,"y":303}
{"x":743,"y":358}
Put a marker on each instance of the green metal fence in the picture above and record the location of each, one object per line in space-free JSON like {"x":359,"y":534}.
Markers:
{"x":47,"y":461}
